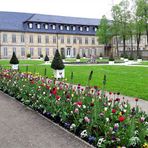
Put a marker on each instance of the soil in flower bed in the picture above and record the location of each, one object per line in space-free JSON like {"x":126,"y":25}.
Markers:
{"x":89,"y":113}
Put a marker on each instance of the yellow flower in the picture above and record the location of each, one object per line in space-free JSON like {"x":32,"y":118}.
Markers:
{"x":72,"y":95}
{"x":120,"y":113}
{"x":145,"y":145}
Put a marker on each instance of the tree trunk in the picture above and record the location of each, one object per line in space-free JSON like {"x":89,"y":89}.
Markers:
{"x":138,"y":42}
{"x":124,"y":44}
{"x":117,"y":46}
{"x":132,"y":43}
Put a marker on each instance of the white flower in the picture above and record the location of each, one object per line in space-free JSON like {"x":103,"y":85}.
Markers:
{"x":100,"y":141}
{"x":84,"y":106}
{"x":107,"y":119}
{"x":44,"y":93}
{"x":125,"y":106}
{"x":105,"y":108}
{"x":83,"y":134}
{"x":73,"y":126}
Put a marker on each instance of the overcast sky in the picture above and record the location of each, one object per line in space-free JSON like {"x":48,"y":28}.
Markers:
{"x":77,"y":8}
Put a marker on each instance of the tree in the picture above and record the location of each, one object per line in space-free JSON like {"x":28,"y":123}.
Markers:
{"x":139,"y":22}
{"x":115,"y":26}
{"x":14,"y":59}
{"x":57,"y":63}
{"x":124,"y":16}
{"x":142,"y":14}
{"x":46,"y":58}
{"x":103,"y":32}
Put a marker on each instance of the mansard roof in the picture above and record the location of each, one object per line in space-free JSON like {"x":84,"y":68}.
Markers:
{"x":14,"y":21}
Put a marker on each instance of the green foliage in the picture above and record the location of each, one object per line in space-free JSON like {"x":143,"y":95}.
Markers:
{"x":103,"y":32}
{"x":14,"y":59}
{"x":101,"y":55}
{"x":78,"y":56}
{"x":28,"y":55}
{"x":131,"y":57}
{"x":111,"y":58}
{"x":57,"y":63}
{"x":46,"y":58}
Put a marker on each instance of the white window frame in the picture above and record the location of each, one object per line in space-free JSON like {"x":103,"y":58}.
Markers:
{"x":46,"y":26}
{"x":38,"y":26}
{"x":74,"y":28}
{"x":81,"y":28}
{"x":30,"y":25}
{"x":87,"y":28}
{"x":61,"y":27}
{"x":68,"y":28}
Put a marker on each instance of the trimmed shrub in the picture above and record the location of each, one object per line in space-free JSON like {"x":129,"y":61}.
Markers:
{"x":111,"y":58}
{"x":28,"y":55}
{"x":131,"y":57}
{"x":46,"y":58}
{"x":84,"y":55}
{"x":14,"y":59}
{"x":57,"y":63}
{"x":78,"y":56}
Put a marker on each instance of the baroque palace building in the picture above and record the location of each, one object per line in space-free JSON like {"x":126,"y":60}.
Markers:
{"x":36,"y":34}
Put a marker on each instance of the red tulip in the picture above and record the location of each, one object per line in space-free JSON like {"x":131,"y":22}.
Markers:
{"x":121,"y":118}
{"x":136,"y":99}
{"x":113,"y":111}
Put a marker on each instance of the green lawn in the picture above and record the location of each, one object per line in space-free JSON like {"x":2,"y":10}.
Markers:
{"x":6,"y":62}
{"x":130,"y":81}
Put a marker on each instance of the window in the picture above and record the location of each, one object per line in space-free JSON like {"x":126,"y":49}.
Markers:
{"x":73,"y":28}
{"x":67,"y":28}
{"x":61,"y":27}
{"x":62,"y":39}
{"x":5,"y":52}
{"x":47,"y":51}
{"x":31,"y":51}
{"x":81,"y":28}
{"x":93,"y":41}
{"x":87,"y":28}
{"x":46,"y":26}
{"x":39,"y":51}
{"x":30,"y":25}
{"x":22,"y":38}
{"x":74,"y":40}
{"x":13,"y":38}
{"x":4,"y":38}
{"x":14,"y":49}
{"x":68,"y":40}
{"x":95,"y":29}
{"x":54,"y":40}
{"x":31,"y":39}
{"x":53,"y":27}
{"x":38,"y":26}
{"x":86,"y":40}
{"x":22,"y":52}
{"x":39,"y":39}
{"x":80,"y":40}
{"x":46,"y":39}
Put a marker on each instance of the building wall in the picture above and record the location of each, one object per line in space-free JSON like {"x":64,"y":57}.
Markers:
{"x":22,"y":48}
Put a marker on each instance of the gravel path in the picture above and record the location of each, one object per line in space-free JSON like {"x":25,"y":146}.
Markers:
{"x":21,"y":127}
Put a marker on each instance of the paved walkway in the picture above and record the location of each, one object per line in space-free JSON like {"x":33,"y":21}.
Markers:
{"x":21,"y":127}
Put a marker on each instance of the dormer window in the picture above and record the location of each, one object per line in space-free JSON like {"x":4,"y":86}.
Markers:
{"x":95,"y":28}
{"x":61,"y":27}
{"x":74,"y":28}
{"x":81,"y":28}
{"x":30,"y":25}
{"x":38,"y":26}
{"x":87,"y":28}
{"x":53,"y":27}
{"x":67,"y":28}
{"x":46,"y":26}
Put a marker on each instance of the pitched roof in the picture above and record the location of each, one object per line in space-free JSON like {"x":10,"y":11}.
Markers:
{"x":63,"y":20}
{"x":13,"y":21}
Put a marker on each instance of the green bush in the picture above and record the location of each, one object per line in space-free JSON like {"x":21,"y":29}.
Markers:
{"x":57,"y":63}
{"x":46,"y":58}
{"x":28,"y":55}
{"x":131,"y":57}
{"x":111,"y":58}
{"x":78,"y":56}
{"x":14,"y":59}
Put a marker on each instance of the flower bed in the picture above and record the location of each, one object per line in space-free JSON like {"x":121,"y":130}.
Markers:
{"x":99,"y":119}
